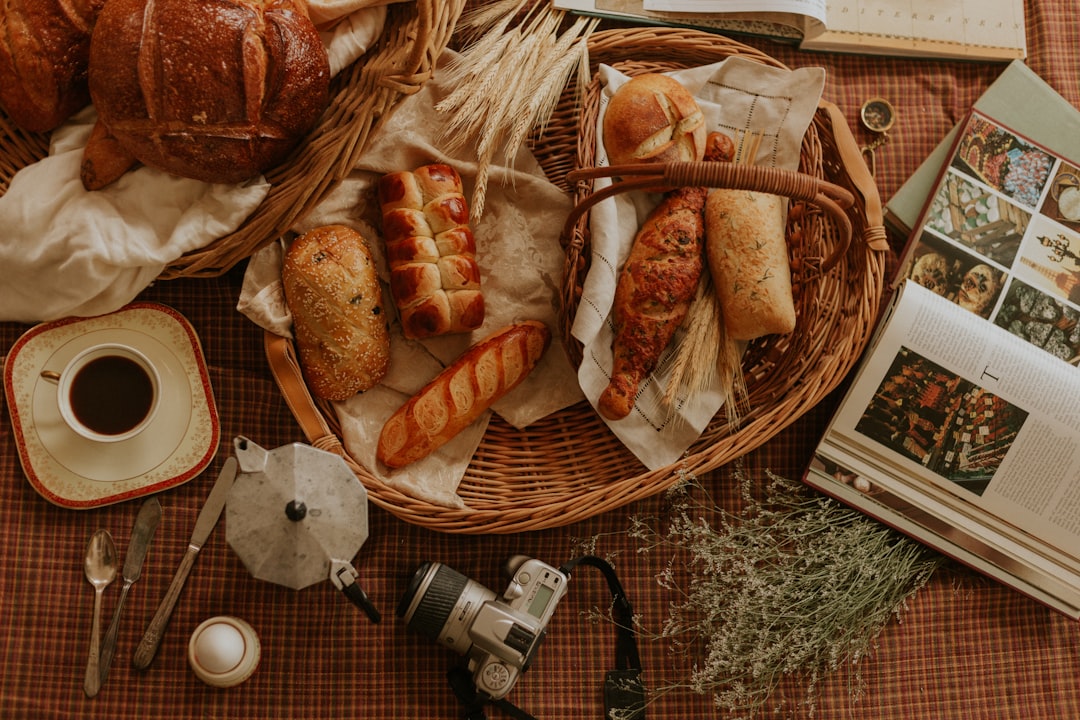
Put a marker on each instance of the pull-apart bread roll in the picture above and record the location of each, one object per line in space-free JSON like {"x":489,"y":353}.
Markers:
{"x":434,"y":278}
{"x":653,"y":118}
{"x":462,"y":392}
{"x":216,"y":90}
{"x":333,"y":292}
{"x":655,"y":288}
{"x":44,"y":52}
{"x":748,"y":258}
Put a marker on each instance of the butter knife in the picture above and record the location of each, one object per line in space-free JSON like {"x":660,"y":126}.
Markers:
{"x":204,"y":524}
{"x":145,"y":524}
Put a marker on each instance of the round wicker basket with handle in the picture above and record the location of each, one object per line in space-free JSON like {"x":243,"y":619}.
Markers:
{"x":363,"y":95}
{"x":569,"y":466}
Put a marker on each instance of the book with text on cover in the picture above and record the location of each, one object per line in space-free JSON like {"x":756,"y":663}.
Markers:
{"x":961,"y":427}
{"x":987,"y":30}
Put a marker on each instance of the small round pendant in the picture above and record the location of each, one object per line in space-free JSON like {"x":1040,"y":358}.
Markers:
{"x":877,"y":115}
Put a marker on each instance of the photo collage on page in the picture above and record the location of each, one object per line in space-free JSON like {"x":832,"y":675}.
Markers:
{"x":1001,"y":237}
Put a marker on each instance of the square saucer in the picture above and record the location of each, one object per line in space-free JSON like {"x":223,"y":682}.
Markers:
{"x":73,"y":472}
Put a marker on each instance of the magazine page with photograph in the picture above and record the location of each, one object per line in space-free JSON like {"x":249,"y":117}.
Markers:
{"x":964,"y":435}
{"x":1000,"y":236}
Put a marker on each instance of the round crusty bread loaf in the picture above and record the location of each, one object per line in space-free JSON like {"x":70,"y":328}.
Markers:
{"x":333,"y":292}
{"x":216,"y":90}
{"x":44,"y":52}
{"x":653,"y":118}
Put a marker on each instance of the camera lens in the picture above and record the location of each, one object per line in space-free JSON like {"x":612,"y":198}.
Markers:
{"x":430,"y":598}
{"x":441,"y":603}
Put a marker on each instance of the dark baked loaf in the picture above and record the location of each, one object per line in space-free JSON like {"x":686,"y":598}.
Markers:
{"x":44,"y":52}
{"x":217,"y":90}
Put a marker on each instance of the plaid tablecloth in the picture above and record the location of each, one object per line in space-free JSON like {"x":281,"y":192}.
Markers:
{"x":965,"y":647}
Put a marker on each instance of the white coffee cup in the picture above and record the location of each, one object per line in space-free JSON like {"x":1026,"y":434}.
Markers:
{"x":107,"y":393}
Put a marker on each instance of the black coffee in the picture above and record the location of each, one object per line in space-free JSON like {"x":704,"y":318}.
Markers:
{"x":111,"y":394}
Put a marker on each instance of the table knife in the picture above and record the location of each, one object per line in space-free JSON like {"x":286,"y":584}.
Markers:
{"x":145,"y":524}
{"x":204,"y":524}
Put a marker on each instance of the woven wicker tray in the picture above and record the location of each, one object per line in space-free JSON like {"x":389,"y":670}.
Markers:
{"x":569,"y":466}
{"x":363,"y":96}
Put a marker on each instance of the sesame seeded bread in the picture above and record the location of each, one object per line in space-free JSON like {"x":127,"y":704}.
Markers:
{"x":333,"y":292}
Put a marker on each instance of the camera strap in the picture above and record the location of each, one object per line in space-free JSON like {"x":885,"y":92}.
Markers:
{"x":624,"y":693}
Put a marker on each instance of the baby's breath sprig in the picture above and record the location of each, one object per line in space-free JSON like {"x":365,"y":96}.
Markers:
{"x":792,"y":585}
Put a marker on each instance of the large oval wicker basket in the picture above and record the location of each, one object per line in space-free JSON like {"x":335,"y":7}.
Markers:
{"x":569,"y":466}
{"x":363,"y":97}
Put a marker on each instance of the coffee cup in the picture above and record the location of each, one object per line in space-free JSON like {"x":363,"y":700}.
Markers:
{"x":107,"y":393}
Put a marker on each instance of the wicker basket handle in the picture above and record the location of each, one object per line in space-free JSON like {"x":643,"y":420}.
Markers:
{"x":831,"y":198}
{"x":285,"y":367}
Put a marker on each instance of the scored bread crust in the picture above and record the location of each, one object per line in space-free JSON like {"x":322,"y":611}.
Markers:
{"x":434,"y":278}
{"x":458,"y":395}
{"x":44,"y":54}
{"x":653,"y":118}
{"x":216,"y":90}
{"x":332,"y":290}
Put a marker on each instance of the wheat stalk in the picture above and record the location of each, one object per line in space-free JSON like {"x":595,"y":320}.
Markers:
{"x":706,"y":348}
{"x":509,"y":80}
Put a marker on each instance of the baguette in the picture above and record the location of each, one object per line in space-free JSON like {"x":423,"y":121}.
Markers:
{"x":653,"y":294}
{"x":747,"y":253}
{"x":462,"y":392}
{"x":333,"y":292}
{"x":434,"y":278}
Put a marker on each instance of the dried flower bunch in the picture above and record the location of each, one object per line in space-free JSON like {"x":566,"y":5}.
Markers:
{"x":794,"y":584}
{"x":509,"y":77}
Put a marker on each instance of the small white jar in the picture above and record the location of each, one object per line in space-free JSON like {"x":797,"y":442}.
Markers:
{"x":223,"y":651}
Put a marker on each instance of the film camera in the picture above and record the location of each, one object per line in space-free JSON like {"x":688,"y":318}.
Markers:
{"x":498,"y":636}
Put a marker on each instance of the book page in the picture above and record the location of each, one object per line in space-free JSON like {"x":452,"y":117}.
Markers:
{"x":810,"y":8}
{"x":1000,"y":236}
{"x":983,"y":29}
{"x":965,"y":412}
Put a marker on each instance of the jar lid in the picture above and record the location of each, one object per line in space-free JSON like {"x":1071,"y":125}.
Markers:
{"x":223,"y":651}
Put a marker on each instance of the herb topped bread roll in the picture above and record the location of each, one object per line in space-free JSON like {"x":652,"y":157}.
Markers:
{"x":430,"y":249}
{"x":653,"y":118}
{"x":333,"y":292}
{"x":655,"y":288}
{"x":747,"y":253}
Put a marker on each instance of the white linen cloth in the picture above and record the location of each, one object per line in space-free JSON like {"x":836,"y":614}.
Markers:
{"x":68,"y":252}
{"x":521,"y":265}
{"x":736,"y":96}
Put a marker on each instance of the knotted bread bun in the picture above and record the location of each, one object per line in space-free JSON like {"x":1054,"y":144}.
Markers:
{"x":216,"y":90}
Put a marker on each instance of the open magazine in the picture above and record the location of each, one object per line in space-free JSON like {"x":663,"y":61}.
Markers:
{"x":962,"y":425}
{"x":992,"y":30}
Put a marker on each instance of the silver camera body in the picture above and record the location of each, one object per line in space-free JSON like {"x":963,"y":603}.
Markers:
{"x":499,"y":636}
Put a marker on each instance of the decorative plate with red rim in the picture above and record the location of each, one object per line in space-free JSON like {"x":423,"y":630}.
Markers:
{"x":71,"y":471}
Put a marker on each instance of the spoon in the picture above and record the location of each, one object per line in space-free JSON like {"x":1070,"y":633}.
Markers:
{"x":100,"y":570}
